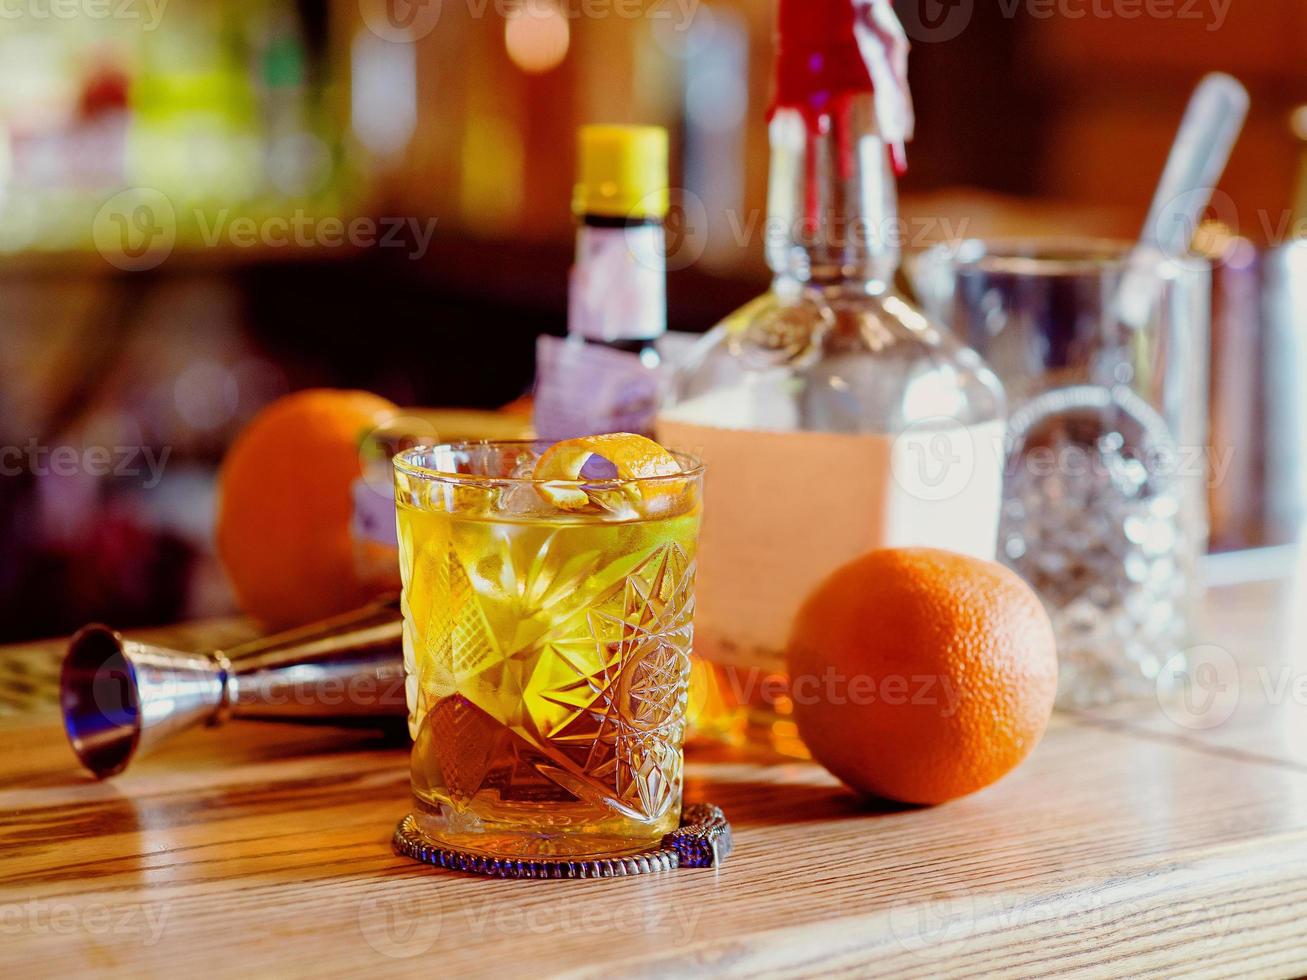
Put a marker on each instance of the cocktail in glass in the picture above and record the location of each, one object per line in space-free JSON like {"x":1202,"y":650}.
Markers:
{"x":547,"y":647}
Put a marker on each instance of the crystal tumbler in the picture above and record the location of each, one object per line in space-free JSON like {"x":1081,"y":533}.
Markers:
{"x":1107,"y":456}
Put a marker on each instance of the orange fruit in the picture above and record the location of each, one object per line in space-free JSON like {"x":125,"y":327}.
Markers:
{"x":921,"y":675}
{"x":285,"y":507}
{"x":634,"y":457}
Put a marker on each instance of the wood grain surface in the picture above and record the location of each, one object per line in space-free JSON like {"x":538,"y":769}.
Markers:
{"x":1127,"y":845}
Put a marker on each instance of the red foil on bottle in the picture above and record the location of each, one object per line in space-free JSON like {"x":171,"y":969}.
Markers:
{"x":817,"y":57}
{"x":820,"y":66}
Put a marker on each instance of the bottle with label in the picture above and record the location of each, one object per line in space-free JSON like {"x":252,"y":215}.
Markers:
{"x":605,"y":375}
{"x":833,"y":416}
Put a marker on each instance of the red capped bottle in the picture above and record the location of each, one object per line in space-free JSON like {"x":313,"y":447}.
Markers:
{"x":833,"y":415}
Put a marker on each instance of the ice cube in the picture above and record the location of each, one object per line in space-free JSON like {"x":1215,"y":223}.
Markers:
{"x":614,"y":500}
{"x":521,"y":500}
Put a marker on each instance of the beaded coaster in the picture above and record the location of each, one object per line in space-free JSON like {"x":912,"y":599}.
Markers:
{"x":702,"y":841}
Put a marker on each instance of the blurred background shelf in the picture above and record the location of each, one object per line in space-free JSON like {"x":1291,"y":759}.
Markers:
{"x":265,"y":111}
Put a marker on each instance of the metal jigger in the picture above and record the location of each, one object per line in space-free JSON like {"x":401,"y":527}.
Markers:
{"x":120,"y":696}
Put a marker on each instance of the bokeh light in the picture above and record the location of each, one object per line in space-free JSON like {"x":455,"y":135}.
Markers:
{"x":537,"y":36}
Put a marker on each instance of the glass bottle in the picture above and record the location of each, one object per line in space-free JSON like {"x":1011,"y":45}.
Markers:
{"x":604,"y":377}
{"x":833,"y":416}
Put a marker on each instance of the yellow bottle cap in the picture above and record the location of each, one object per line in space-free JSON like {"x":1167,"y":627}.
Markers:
{"x":622,"y":172}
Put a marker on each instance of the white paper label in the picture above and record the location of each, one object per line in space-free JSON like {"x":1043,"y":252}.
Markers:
{"x":618,"y":288}
{"x":782,"y":510}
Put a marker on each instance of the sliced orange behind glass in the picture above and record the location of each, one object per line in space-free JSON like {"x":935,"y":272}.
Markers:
{"x":635,"y":458}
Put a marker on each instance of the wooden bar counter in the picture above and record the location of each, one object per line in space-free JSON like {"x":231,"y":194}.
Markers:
{"x":1134,"y":841}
